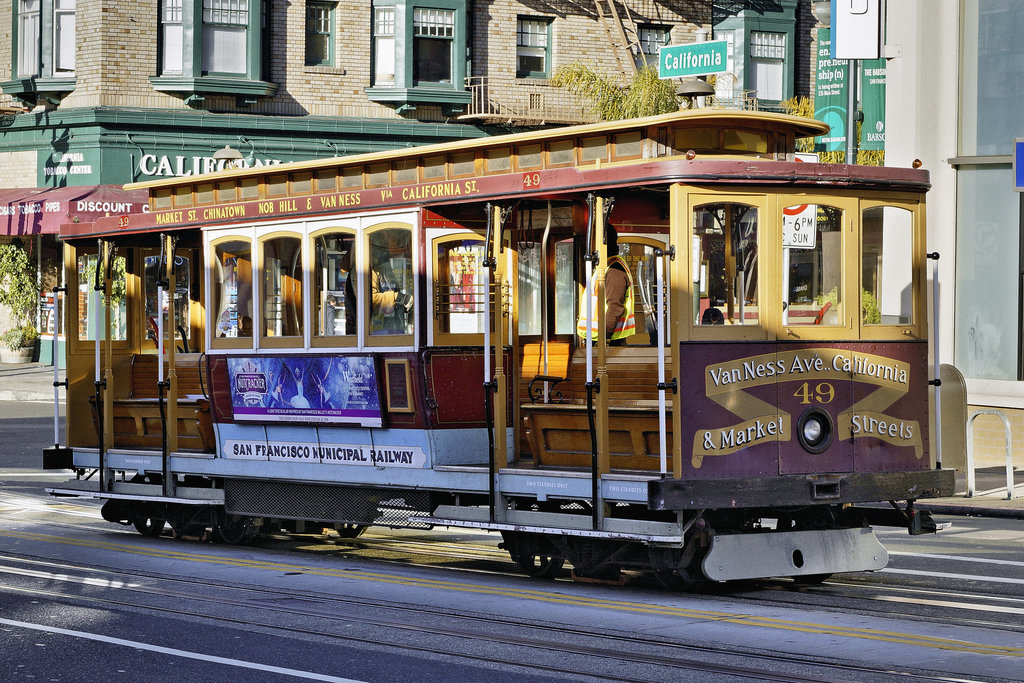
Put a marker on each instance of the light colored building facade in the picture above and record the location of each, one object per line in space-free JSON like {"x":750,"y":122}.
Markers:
{"x":954,"y":102}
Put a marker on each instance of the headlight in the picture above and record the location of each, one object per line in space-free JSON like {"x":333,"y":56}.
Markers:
{"x":814,"y":430}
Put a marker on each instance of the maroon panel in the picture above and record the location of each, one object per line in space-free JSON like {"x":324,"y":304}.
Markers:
{"x":34,"y":211}
{"x":729,"y":424}
{"x":455,"y":387}
{"x":891,"y":422}
{"x":814,"y":380}
{"x":220,"y":388}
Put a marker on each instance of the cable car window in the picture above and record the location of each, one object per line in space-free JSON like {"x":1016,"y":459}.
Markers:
{"x":391,"y":282}
{"x":725,"y":241}
{"x":643,"y":268}
{"x":182,"y":290}
{"x":887,"y":267}
{"x":232,"y":289}
{"x":282,"y":287}
{"x":92,"y":319}
{"x":530,"y":289}
{"x":565,"y":288}
{"x":460,"y":287}
{"x":812,"y":272}
{"x":335,"y":296}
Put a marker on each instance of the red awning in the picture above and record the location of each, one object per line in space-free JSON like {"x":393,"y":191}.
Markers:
{"x":37,"y":210}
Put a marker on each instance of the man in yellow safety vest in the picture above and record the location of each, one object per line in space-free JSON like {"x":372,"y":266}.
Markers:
{"x":618,"y":294}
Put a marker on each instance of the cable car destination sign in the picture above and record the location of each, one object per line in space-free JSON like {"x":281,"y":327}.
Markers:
{"x":694,"y":59}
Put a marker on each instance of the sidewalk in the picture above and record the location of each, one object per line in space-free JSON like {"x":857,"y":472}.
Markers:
{"x":34,"y":382}
{"x":28,"y":382}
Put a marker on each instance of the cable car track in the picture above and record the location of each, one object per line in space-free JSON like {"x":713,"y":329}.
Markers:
{"x":489,"y":560}
{"x":677,"y":656}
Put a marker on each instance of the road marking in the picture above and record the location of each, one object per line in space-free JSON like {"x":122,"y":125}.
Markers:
{"x":947,"y":575}
{"x":178,"y":653}
{"x":548,"y":597}
{"x":959,"y":558}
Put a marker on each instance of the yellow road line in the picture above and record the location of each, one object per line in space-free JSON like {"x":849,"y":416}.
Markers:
{"x":544,"y":596}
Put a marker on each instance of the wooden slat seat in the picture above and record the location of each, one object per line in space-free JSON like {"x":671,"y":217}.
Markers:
{"x":534,"y":371}
{"x":558,"y":435}
{"x":136,"y":418}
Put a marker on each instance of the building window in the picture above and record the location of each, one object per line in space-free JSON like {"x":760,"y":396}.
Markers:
{"x":433,"y":31}
{"x":225,"y":24}
{"x":767,"y":60}
{"x":171,"y":35}
{"x":419,"y":49}
{"x":214,"y":46}
{"x":28,"y":38}
{"x":384,"y":45}
{"x":319,"y":33}
{"x":652,"y":39}
{"x":533,"y":38}
{"x":63,"y":37}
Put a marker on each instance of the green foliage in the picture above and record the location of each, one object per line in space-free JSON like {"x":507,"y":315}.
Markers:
{"x":19,"y":337}
{"x":870,"y":313}
{"x":19,"y":293}
{"x":804,"y":106}
{"x":646,"y":94}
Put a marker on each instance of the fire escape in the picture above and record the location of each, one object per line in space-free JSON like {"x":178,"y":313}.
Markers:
{"x":520,"y":102}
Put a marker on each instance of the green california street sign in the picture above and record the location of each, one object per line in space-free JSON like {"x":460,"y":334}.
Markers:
{"x":695,"y":59}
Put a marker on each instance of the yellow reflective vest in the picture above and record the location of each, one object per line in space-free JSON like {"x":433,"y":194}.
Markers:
{"x":626,"y":325}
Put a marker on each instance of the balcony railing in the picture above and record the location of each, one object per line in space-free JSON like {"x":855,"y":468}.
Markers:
{"x":523,"y":103}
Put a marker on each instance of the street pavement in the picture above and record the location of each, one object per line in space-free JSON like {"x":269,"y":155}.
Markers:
{"x":34,"y":382}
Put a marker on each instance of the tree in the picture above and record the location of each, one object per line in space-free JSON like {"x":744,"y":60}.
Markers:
{"x":646,"y":94}
{"x":18,"y":293}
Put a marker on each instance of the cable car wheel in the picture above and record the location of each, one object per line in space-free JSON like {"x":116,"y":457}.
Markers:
{"x":539,"y":566}
{"x":149,"y":526}
{"x":237,"y":529}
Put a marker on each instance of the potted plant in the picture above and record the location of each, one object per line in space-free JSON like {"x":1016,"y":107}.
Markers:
{"x":19,"y":294}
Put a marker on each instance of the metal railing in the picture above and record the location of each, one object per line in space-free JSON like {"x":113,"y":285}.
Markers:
{"x":970,"y":453}
{"x":524,"y":102}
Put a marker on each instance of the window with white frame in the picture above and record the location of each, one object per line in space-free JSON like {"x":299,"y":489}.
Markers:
{"x":767,"y":61}
{"x":225,"y":29}
{"x":63,"y":37}
{"x":652,"y":39}
{"x":532,"y":44}
{"x":319,"y":33}
{"x":433,"y":33}
{"x":28,"y":38}
{"x":384,"y":46}
{"x":171,"y":37}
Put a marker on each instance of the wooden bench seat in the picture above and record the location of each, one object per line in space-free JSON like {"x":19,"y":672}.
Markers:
{"x":558,"y":434}
{"x":136,"y":418}
{"x":534,"y":371}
